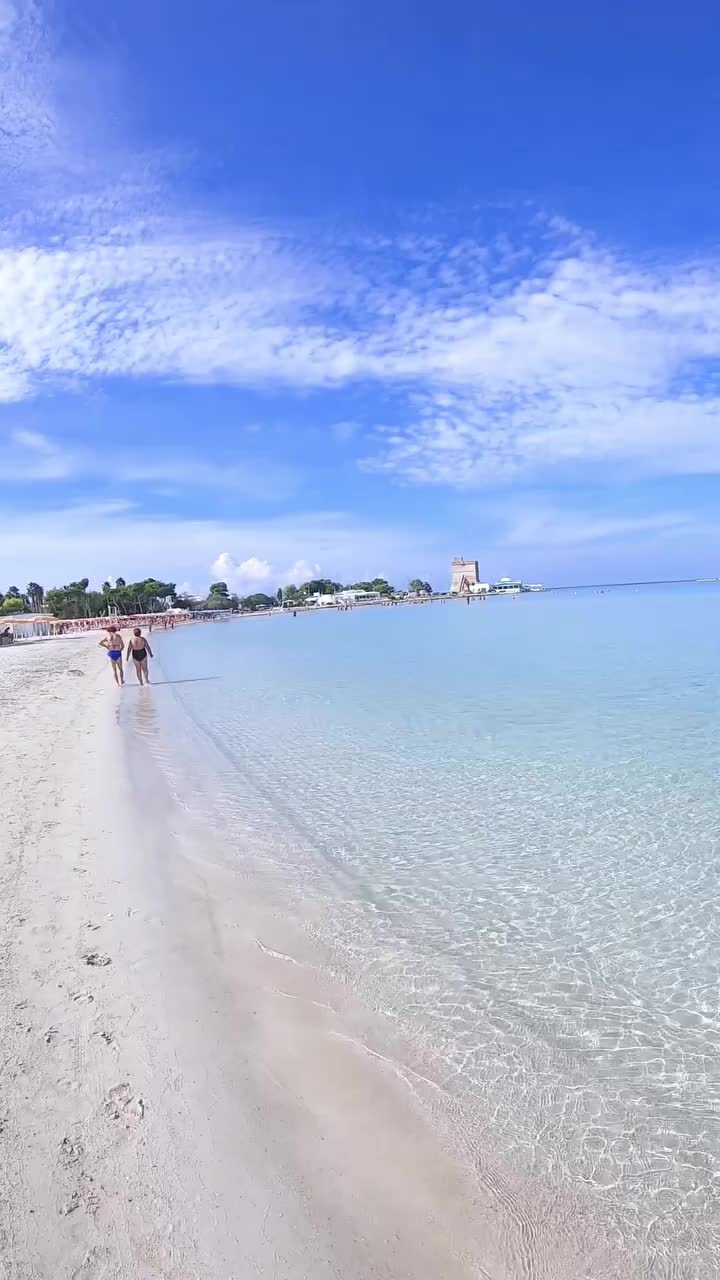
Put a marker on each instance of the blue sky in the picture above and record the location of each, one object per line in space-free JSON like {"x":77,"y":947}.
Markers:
{"x":304,"y":286}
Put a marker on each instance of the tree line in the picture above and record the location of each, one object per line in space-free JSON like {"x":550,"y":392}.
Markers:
{"x":151,"y":595}
{"x":326,"y":587}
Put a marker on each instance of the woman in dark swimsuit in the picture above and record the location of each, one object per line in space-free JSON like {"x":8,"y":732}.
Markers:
{"x":140,"y":649}
{"x":114,"y":645}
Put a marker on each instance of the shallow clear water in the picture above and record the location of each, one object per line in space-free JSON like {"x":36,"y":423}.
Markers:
{"x":512,"y":808}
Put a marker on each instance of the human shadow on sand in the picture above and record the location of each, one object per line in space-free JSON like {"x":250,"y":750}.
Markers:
{"x":155,"y":684}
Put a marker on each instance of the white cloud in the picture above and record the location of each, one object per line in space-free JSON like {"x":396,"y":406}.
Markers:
{"x":588,"y":360}
{"x":243,"y":573}
{"x":299,"y":572}
{"x":55,"y":546}
{"x":584,"y":360}
{"x":510,"y":354}
{"x":255,"y":572}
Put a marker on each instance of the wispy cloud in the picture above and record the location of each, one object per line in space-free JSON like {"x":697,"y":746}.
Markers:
{"x":525,"y":352}
{"x":549,"y":527}
{"x":269,"y":480}
{"x":31,"y":457}
{"x":586,"y":360}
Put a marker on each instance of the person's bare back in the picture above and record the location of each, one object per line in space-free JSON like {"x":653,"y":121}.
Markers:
{"x":139,"y":649}
{"x":113,"y":643}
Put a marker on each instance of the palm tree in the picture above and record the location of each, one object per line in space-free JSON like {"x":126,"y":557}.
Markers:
{"x":35,"y":596}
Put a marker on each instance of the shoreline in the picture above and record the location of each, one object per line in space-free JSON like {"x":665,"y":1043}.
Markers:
{"x":185,"y":1090}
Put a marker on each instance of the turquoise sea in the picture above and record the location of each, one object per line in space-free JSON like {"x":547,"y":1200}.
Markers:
{"x":510,"y":811}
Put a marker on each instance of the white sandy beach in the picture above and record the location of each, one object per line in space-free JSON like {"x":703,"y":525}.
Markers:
{"x":179,"y":1100}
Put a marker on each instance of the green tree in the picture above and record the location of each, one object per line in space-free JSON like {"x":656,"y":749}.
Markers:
{"x":15,"y":592}
{"x":75,"y":601}
{"x":377,"y":584}
{"x":219,"y":597}
{"x":12,"y":604}
{"x":152,"y":595}
{"x":420,"y":588}
{"x":257,"y":601}
{"x":319,"y":586}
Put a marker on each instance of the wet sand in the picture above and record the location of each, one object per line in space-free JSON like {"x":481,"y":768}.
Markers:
{"x":183,"y":1093}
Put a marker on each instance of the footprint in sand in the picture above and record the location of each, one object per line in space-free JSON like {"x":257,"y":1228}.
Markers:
{"x":94,"y":1266}
{"x":71,"y":1205}
{"x":84,"y":1196}
{"x":70,"y":1151}
{"x":121,"y":1101}
{"x":97,"y":959}
{"x":82,"y":997}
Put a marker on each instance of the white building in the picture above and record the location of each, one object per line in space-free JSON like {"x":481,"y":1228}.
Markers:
{"x":355,"y":595}
{"x":321,"y":601}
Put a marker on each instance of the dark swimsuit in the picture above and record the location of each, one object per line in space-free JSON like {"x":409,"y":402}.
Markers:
{"x":139,"y":654}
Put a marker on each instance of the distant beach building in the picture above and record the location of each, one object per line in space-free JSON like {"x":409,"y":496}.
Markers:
{"x":323,"y":600}
{"x":464,"y":576}
{"x":513,"y":586}
{"x":356,"y":595}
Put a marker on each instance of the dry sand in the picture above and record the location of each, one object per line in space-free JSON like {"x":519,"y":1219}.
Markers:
{"x":181,"y":1095}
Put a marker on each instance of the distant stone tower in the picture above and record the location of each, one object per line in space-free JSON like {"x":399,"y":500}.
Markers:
{"x":464,"y":576}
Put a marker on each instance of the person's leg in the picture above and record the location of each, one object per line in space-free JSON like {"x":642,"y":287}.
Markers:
{"x":114,"y":666}
{"x":138,"y":670}
{"x":144,"y":665}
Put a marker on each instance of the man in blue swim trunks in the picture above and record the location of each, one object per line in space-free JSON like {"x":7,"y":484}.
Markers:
{"x":114,"y":644}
